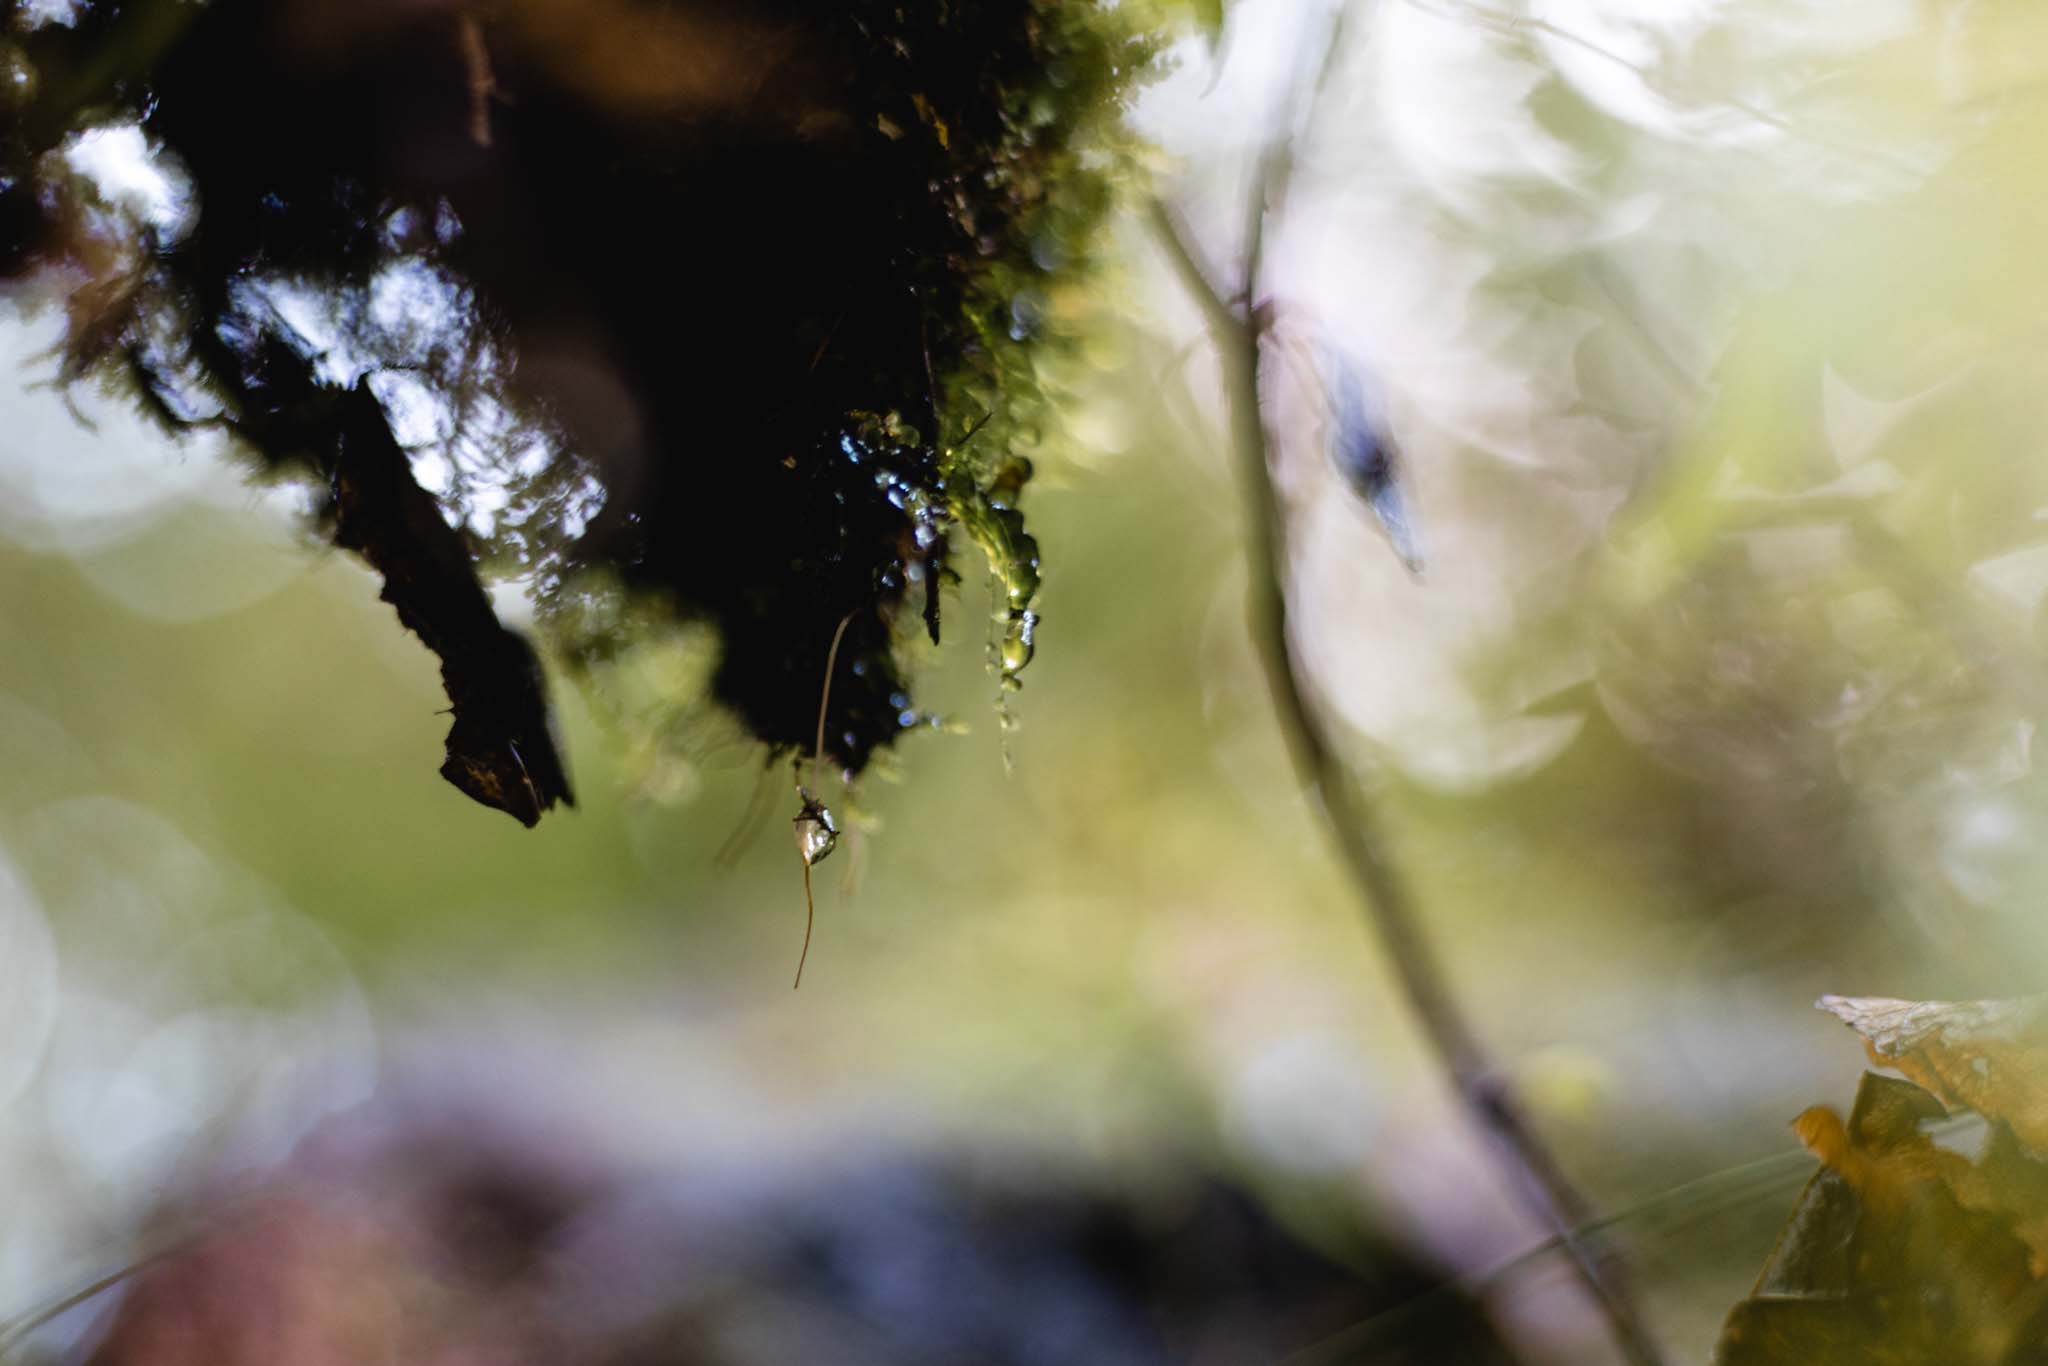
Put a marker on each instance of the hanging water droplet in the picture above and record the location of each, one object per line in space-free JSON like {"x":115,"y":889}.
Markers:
{"x":1018,"y":645}
{"x":816,"y":835}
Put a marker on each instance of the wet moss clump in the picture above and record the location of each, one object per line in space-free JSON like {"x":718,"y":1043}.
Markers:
{"x":715,"y":312}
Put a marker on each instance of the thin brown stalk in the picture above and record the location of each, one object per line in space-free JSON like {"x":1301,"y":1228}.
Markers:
{"x":810,"y":916}
{"x":825,"y":696}
{"x":1237,"y":327}
{"x":813,"y":807}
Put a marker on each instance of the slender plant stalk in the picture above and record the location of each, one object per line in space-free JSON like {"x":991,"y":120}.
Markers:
{"x":825,"y":698}
{"x":1237,"y":328}
{"x":14,"y":1332}
{"x":813,"y":806}
{"x":17,"y":1331}
{"x":1707,"y":1196}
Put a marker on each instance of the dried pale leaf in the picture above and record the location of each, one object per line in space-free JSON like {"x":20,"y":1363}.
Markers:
{"x":1987,"y":1056}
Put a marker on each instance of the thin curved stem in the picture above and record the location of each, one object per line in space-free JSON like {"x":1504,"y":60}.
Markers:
{"x":810,"y":917}
{"x":1702,"y":1197}
{"x":825,"y":697}
{"x":1389,"y":904}
{"x":814,"y":809}
{"x":16,"y":1331}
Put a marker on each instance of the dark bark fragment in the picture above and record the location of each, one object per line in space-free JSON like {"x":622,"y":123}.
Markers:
{"x":501,"y":749}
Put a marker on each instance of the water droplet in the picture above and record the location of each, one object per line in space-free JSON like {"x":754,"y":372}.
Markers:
{"x":1018,"y":642}
{"x":816,"y":835}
